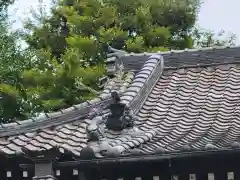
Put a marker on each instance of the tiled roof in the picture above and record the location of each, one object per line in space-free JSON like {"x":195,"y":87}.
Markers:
{"x":190,"y":106}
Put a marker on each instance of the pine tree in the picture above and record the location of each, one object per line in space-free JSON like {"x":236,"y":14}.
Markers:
{"x":12,"y":63}
{"x":51,"y":85}
{"x":132,"y":25}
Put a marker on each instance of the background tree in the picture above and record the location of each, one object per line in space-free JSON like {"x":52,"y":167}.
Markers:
{"x":13,"y":61}
{"x":133,"y":25}
{"x":208,"y":38}
{"x":71,"y":43}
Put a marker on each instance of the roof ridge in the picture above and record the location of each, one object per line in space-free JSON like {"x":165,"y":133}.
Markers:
{"x":181,"y":51}
{"x":177,"y":51}
{"x":72,"y":113}
{"x":186,"y":57}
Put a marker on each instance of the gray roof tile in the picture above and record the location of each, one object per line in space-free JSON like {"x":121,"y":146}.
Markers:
{"x":199,"y":111}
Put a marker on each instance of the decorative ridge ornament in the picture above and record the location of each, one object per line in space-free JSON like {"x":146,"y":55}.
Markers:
{"x":121,"y":116}
{"x":94,"y":132}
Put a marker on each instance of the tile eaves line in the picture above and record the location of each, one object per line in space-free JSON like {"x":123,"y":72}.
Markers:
{"x":63,"y":118}
{"x":52,"y":119}
{"x":77,"y":114}
{"x":52,"y":115}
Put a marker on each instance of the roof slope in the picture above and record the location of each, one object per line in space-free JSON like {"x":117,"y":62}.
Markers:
{"x":193,"y":108}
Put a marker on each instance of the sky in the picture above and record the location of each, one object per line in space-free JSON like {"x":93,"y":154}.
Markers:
{"x":215,"y":15}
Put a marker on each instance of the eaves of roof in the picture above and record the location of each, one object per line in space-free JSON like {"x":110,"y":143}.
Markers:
{"x":147,"y":158}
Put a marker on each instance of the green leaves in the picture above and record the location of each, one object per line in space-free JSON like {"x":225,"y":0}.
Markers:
{"x":85,"y":45}
{"x":135,"y":44}
{"x":106,"y":17}
{"x":9,"y":90}
{"x":205,"y":38}
{"x":113,"y":36}
{"x":91,"y":24}
{"x":12,"y":61}
{"x":158,"y":36}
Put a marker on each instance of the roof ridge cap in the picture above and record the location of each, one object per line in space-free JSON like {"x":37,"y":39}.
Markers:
{"x":140,"y":84}
{"x":180,"y":51}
